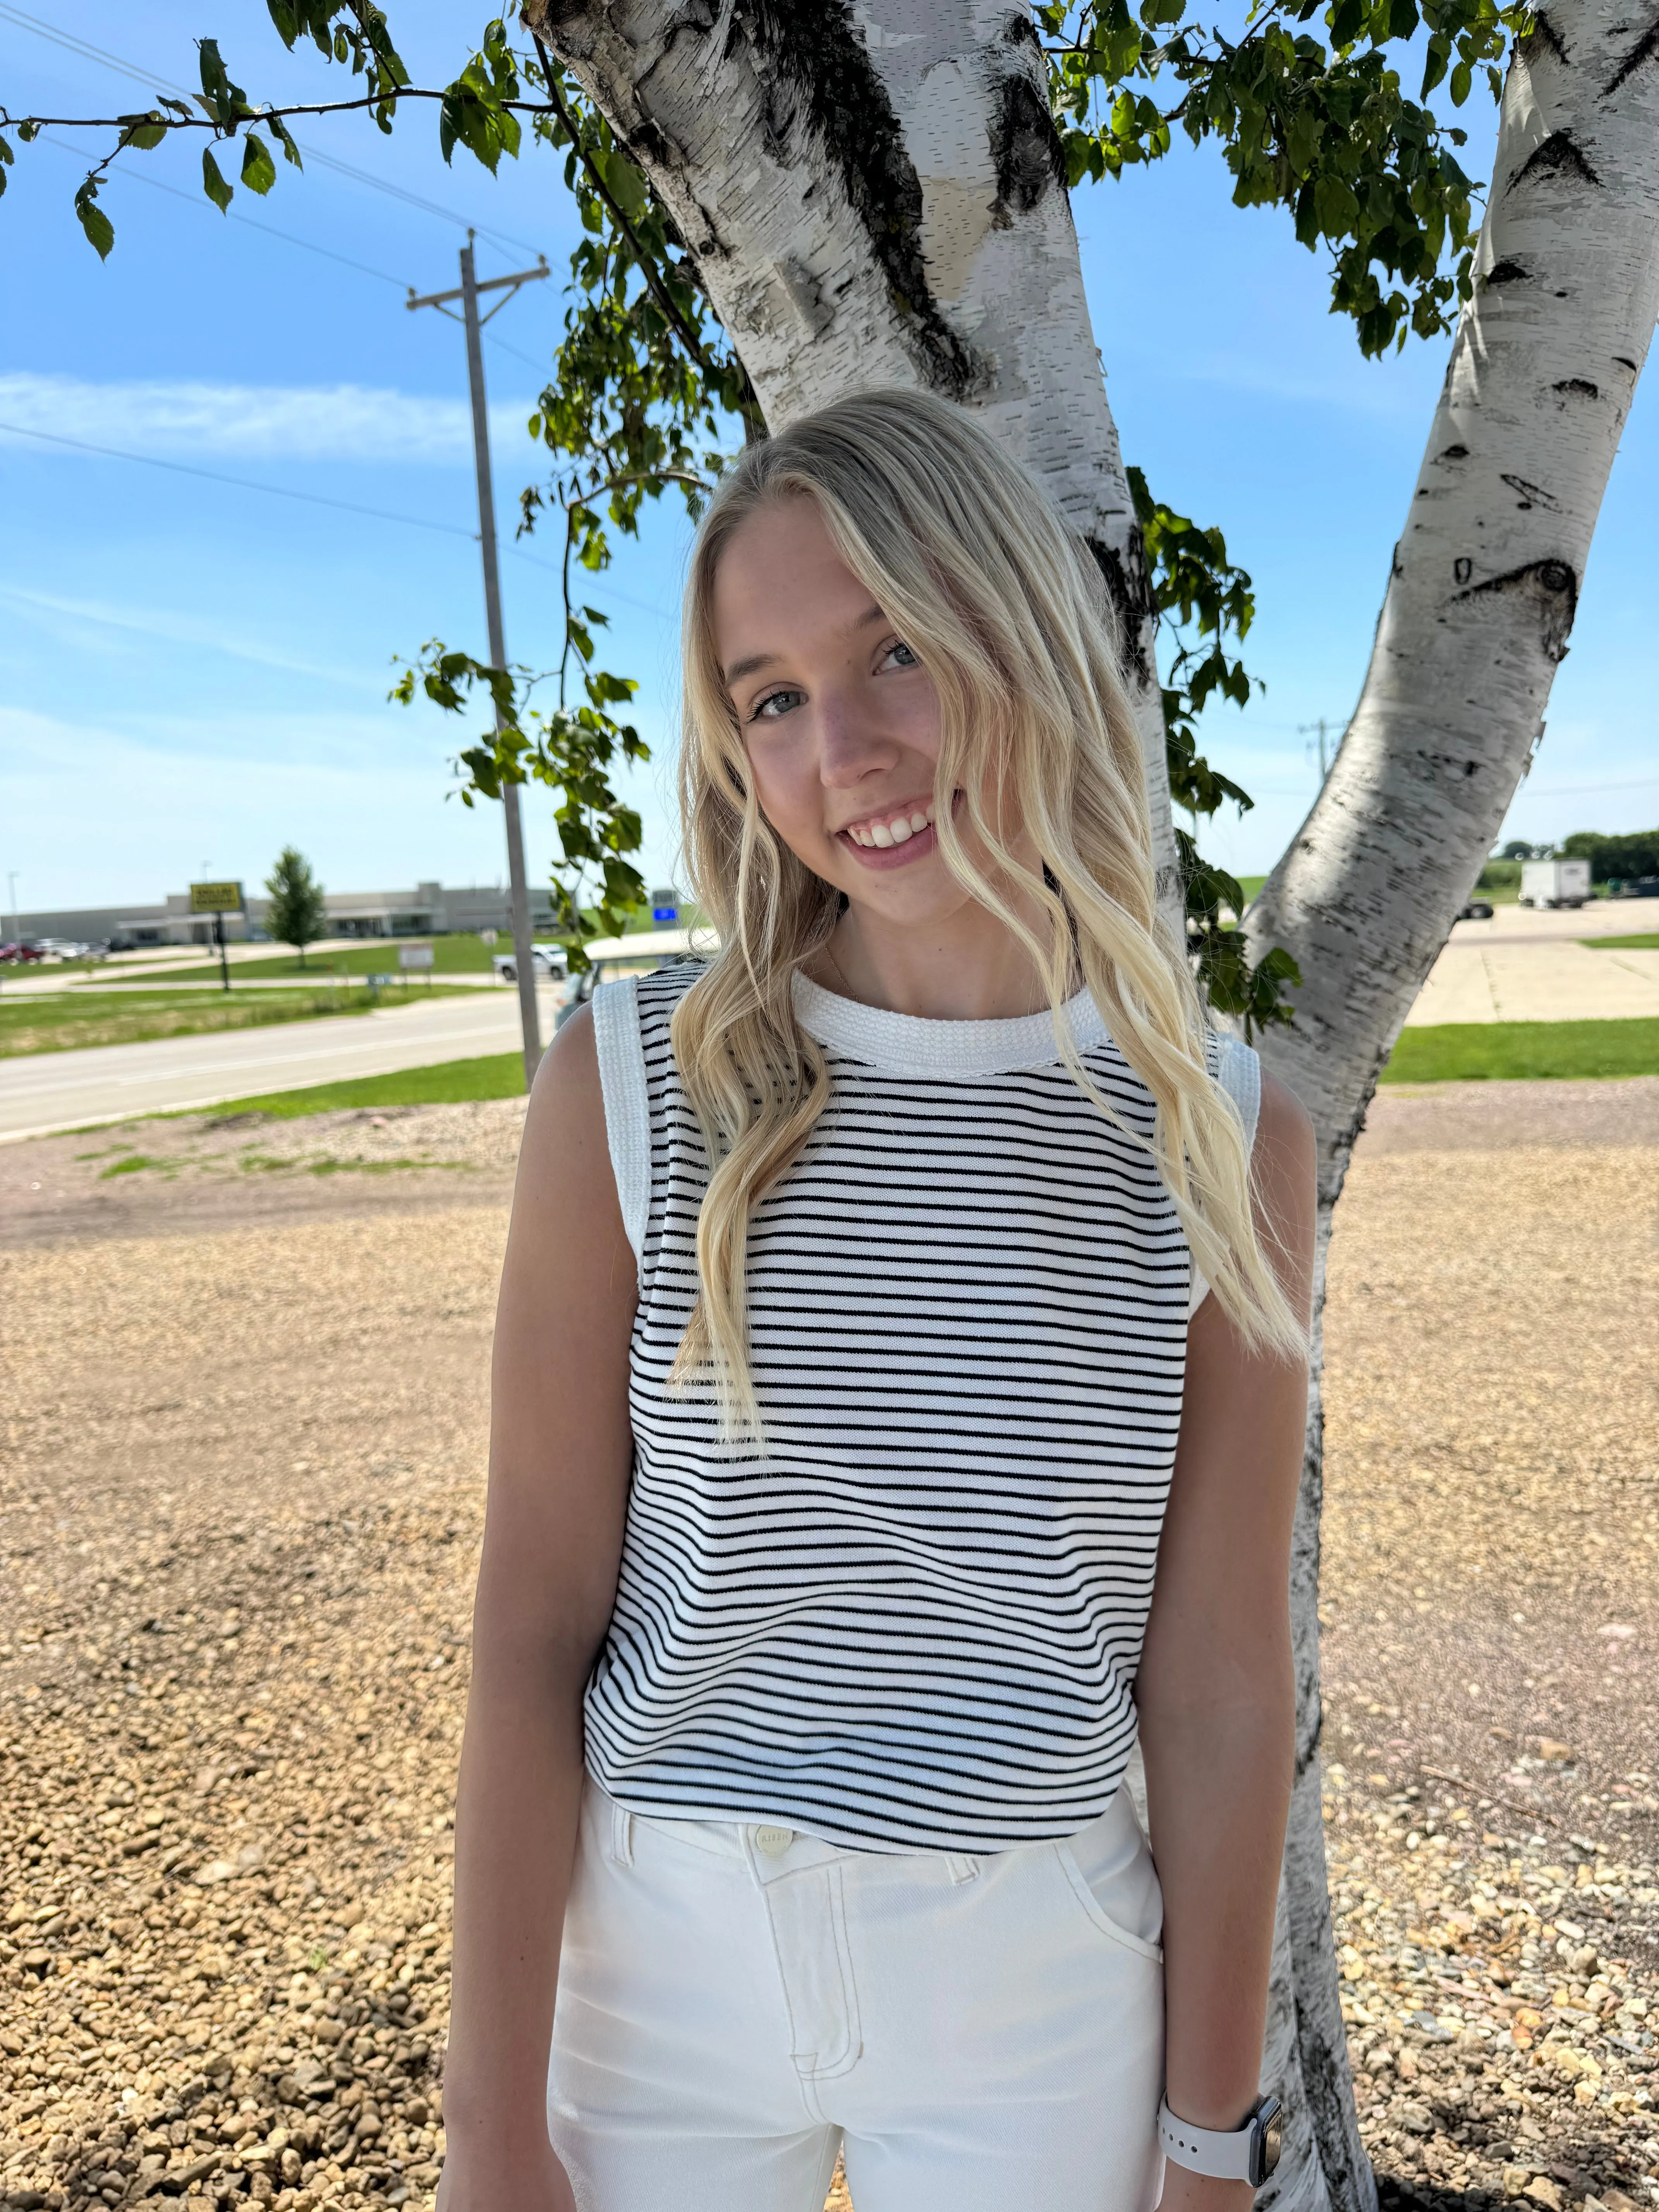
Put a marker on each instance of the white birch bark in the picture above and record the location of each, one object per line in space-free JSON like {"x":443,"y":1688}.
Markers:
{"x":1481,"y":596}
{"x":874,"y":196}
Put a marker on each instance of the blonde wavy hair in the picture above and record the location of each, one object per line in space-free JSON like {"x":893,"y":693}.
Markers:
{"x":1008,"y":614}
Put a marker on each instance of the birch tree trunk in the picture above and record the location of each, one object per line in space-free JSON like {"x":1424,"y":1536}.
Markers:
{"x":1481,"y":596}
{"x":878,"y":198}
{"x":875,"y":197}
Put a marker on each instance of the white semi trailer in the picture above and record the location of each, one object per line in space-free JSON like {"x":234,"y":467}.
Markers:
{"x":1554,"y":883}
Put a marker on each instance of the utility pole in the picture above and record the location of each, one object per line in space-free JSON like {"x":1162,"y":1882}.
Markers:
{"x":1325,"y":753}
{"x":523,"y":955}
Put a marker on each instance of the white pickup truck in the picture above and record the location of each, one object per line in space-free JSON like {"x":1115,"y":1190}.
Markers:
{"x":548,"y":960}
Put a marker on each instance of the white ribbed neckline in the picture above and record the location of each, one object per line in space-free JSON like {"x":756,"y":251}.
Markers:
{"x":910,"y":1042}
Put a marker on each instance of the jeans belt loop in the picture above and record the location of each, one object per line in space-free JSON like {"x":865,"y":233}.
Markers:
{"x":960,"y":1869}
{"x":622,"y":1835}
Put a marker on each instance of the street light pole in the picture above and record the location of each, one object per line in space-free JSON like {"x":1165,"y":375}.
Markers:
{"x":519,"y":885}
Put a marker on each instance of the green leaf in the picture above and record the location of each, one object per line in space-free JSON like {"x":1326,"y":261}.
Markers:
{"x":142,"y":131}
{"x":1462,"y":78}
{"x":99,"y":230}
{"x":258,"y":170}
{"x":213,"y":183}
{"x":625,"y":183}
{"x":280,"y":133}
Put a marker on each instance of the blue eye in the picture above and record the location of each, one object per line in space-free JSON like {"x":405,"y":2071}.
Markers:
{"x":905,"y":657}
{"x":775,"y":704}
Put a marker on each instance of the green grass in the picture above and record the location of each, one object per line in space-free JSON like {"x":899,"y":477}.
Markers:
{"x":498,"y":1075}
{"x":1621,"y":943}
{"x":451,"y":956}
{"x":79,"y":1018}
{"x":1519,"y":1052}
{"x":1250,"y":885}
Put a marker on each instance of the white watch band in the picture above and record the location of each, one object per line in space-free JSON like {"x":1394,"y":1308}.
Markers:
{"x":1221,"y":2156}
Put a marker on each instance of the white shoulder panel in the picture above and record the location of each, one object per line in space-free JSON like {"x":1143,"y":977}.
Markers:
{"x":627,"y":1103}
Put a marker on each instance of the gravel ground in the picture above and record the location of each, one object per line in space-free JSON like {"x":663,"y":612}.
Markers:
{"x":239,"y":1505}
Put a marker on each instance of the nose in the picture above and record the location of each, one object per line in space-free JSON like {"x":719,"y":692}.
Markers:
{"x":850,"y":746}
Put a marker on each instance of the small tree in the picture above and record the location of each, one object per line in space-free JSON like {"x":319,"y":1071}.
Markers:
{"x":297,"y":914}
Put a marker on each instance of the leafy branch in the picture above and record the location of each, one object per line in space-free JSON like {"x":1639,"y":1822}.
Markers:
{"x":1320,"y":127}
{"x":1203,"y":599}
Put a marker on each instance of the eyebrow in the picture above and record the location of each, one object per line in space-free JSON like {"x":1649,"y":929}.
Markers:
{"x":755,"y":661}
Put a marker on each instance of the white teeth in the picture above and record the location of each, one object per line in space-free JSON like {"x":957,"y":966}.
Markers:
{"x":900,"y":831}
{"x":919,"y":821}
{"x":880,"y":833}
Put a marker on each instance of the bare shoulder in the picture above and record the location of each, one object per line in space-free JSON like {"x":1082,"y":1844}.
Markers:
{"x":1286,"y":1183}
{"x":564,"y":1203}
{"x":1283,"y":1129}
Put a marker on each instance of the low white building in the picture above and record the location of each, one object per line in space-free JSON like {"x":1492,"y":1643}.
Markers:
{"x":428,"y":910}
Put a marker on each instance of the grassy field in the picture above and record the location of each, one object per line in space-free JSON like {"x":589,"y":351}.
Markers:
{"x":1475,"y":1052}
{"x":452,"y":956}
{"x":1649,"y":943}
{"x":499,"y":1075}
{"x":1250,"y":885}
{"x":90,"y":1017}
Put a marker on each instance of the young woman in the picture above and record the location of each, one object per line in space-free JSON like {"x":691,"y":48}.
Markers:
{"x":899,"y":1391}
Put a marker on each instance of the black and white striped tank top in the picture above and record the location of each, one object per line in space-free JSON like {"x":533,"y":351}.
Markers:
{"x":915,"y":1622}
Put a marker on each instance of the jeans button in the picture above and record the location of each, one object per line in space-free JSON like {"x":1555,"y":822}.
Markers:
{"x":774,"y":1842}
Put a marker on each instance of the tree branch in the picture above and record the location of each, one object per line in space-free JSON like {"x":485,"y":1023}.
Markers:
{"x":388,"y":100}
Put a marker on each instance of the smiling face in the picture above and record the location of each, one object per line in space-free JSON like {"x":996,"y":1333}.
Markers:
{"x":839,"y":718}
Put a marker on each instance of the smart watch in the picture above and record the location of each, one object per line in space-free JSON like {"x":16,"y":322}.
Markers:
{"x":1249,"y":2153}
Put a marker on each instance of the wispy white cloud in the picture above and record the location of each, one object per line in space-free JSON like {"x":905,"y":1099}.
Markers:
{"x":251,"y":421}
{"x":68,"y":620}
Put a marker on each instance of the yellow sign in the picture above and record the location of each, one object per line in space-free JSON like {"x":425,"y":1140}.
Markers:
{"x":215,"y":898}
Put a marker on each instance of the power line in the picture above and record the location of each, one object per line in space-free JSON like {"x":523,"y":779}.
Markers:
{"x":87,"y":51}
{"x":196,"y":200}
{"x":241,"y":483}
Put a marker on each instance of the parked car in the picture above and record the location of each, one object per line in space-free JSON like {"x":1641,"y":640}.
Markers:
{"x":64,"y":948}
{"x":1639,"y":887}
{"x":548,"y":960}
{"x":19,"y":950}
{"x":1476,"y":910}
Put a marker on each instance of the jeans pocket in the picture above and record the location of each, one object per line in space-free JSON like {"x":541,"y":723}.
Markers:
{"x":1126,"y":1938}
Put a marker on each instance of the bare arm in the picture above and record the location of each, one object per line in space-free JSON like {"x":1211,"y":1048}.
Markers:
{"x":560,"y":1458}
{"x":1215,"y":1688}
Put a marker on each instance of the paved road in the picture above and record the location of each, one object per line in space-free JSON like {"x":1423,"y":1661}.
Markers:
{"x":108,"y":1083}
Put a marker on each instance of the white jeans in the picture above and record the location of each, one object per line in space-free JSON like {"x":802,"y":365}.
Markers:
{"x":736,"y":2004}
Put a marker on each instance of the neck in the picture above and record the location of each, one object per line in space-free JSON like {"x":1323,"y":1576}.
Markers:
{"x":969,"y":966}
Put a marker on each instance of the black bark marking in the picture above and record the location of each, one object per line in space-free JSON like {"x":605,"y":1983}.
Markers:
{"x":1559,"y":156}
{"x":1531,"y":494}
{"x":1580,"y":385}
{"x":1453,"y":453}
{"x":1552,"y":588}
{"x":1022,"y":31}
{"x":1508,"y":272}
{"x":1462,"y":569}
{"x":1545,"y":31}
{"x":1624,"y":361}
{"x":1129,"y":588}
{"x":813,"y":55}
{"x":1026,"y":150}
{"x":1645,"y":51}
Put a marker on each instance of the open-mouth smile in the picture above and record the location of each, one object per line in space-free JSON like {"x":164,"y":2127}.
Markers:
{"x":893,"y":837}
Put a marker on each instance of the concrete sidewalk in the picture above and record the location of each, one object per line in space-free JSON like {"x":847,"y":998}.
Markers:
{"x":1527,"y":967}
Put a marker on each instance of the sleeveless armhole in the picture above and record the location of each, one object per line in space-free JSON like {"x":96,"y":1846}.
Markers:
{"x":627,"y":1103}
{"x":1238,"y":1070}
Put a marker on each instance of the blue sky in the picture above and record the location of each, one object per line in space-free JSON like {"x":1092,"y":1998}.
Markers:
{"x":193,"y":675}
